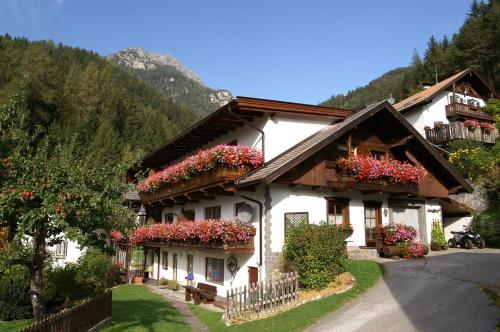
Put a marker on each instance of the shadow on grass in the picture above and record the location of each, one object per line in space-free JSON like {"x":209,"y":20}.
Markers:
{"x":137,"y":309}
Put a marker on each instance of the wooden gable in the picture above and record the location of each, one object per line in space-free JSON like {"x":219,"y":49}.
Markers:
{"x":380,"y":136}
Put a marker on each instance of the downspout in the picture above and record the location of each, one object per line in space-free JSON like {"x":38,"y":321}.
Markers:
{"x":260,"y":227}
{"x":254,"y":127}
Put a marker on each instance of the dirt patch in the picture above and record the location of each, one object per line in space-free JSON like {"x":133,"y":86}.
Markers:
{"x":342,"y":283}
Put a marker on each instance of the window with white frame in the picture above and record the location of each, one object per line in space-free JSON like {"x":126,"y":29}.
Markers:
{"x":62,"y":248}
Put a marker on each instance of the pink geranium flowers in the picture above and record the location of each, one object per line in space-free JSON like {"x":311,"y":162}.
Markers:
{"x":215,"y":232}
{"x":229,"y":156}
{"x":366,"y":168}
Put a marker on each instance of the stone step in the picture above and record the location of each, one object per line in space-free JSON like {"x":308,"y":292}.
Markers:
{"x":361,"y":253}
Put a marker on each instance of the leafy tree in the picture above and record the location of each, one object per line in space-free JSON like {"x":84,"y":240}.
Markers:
{"x":49,"y":188}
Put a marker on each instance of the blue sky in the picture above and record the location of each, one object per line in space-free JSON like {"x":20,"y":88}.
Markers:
{"x":302,"y":51}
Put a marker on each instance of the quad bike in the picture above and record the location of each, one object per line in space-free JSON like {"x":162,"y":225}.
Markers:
{"x":466,"y":239}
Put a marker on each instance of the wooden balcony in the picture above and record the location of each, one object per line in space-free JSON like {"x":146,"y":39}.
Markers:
{"x":237,"y":248}
{"x":343,"y":183}
{"x":204,"y":186}
{"x":457,"y":130}
{"x":454,"y":110}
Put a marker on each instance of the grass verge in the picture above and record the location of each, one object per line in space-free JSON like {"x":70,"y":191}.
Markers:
{"x":14,"y":325}
{"x":367,"y":273}
{"x":136,"y":309}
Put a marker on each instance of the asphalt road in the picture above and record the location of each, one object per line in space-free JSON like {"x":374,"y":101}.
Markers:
{"x":439,"y":293}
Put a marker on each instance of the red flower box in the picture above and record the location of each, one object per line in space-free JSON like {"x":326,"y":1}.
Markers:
{"x":229,"y":156}
{"x":367,"y":168}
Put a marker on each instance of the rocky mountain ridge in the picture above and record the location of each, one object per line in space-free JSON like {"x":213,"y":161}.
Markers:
{"x":172,"y":78}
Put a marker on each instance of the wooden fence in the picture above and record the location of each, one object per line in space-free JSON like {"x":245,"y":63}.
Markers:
{"x":80,"y":318}
{"x":256,"y":300}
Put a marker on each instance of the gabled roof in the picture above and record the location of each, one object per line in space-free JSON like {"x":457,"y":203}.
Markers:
{"x":426,"y":95}
{"x":319,"y":140}
{"x":224,"y":119}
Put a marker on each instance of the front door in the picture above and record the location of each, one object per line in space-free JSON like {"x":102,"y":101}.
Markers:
{"x":373,"y":220}
{"x":174,"y":267}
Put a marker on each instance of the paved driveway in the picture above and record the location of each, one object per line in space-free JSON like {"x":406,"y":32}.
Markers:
{"x":438,"y":293}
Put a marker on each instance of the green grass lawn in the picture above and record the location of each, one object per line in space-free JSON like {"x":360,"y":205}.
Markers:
{"x":367,"y":273}
{"x":137,"y":309}
{"x":14,"y":325}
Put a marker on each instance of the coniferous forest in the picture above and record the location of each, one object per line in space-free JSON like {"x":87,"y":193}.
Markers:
{"x":476,"y":45}
{"x":72,"y":91}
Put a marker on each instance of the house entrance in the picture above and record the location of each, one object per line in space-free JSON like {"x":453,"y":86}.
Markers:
{"x":373,"y":220}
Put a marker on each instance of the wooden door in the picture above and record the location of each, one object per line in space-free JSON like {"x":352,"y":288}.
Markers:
{"x":373,"y":221}
{"x":253,"y":275}
{"x":174,"y":267}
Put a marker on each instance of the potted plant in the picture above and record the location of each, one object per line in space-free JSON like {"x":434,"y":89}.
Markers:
{"x":137,"y":263}
{"x":438,"y":124}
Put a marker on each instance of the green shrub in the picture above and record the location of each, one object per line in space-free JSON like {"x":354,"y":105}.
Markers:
{"x":93,"y":271}
{"x":90,"y":276}
{"x":437,"y":235}
{"x":170,"y":284}
{"x":316,"y":252}
{"x":487,"y":224}
{"x":14,"y":293}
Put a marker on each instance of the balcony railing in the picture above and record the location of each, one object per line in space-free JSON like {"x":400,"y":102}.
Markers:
{"x":213,"y":234}
{"x":342,"y":182}
{"x":340,"y":177}
{"x":465,"y":110}
{"x":216,"y":178}
{"x":457,"y":130}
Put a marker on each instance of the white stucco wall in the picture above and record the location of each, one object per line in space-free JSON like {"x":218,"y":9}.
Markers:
{"x":303,"y":199}
{"x":433,"y":212}
{"x":199,"y":267}
{"x":455,"y":224}
{"x":73,"y":253}
{"x":280,"y":134}
{"x":228,"y":211}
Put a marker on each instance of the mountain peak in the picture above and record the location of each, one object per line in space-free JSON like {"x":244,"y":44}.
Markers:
{"x":141,"y":59}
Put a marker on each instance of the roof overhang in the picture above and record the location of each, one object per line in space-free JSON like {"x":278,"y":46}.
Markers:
{"x":286,"y":161}
{"x":228,"y":118}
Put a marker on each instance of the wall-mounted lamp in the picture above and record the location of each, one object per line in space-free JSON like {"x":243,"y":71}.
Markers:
{"x":275,"y":117}
{"x":385,"y":212}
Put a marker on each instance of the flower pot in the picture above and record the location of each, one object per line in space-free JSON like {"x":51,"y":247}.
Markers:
{"x":138,"y":280}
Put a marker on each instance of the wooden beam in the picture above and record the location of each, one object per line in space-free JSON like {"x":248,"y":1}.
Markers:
{"x":401,"y":142}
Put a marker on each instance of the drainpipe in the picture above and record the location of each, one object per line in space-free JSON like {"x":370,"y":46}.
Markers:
{"x":260,"y":231}
{"x":254,"y":127}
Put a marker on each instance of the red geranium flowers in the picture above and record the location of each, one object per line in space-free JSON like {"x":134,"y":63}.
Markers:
{"x":215,"y":232}
{"x":366,"y":168}
{"x":230,"y":156}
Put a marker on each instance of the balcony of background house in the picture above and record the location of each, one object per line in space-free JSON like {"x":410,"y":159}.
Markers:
{"x":461,"y":110}
{"x":469,"y":129}
{"x":206,"y":174}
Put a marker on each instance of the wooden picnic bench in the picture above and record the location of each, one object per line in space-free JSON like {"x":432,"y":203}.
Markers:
{"x":201,"y":291}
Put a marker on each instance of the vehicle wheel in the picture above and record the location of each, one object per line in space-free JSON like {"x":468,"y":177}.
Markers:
{"x":467,"y":244}
{"x":482,"y":244}
{"x":452,"y":243}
